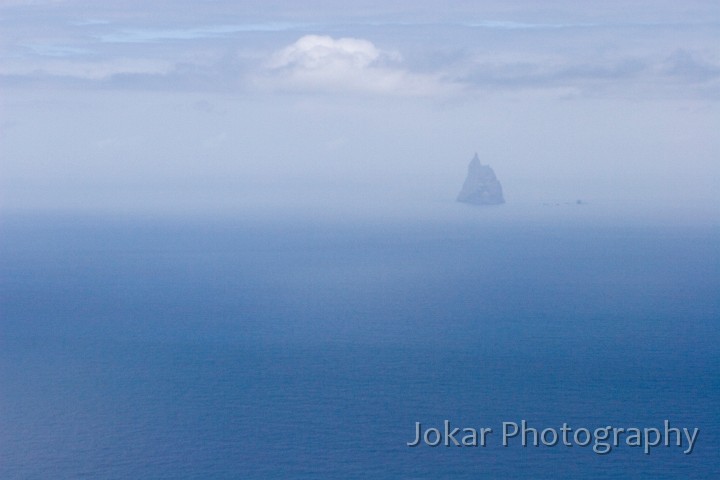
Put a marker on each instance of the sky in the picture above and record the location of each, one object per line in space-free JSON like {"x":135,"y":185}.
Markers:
{"x":320,"y":106}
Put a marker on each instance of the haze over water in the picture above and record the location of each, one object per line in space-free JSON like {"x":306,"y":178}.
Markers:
{"x":229,"y":246}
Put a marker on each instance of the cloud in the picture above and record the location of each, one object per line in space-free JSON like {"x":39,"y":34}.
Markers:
{"x":50,"y":50}
{"x":555,"y":71}
{"x":510,"y":25}
{"x":194,"y":33}
{"x":86,"y":70}
{"x":315,"y":52}
{"x":619,"y":73}
{"x":322,"y":63}
{"x":691,"y":67}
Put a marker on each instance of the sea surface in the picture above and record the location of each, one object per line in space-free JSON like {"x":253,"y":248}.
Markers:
{"x":171,"y":348}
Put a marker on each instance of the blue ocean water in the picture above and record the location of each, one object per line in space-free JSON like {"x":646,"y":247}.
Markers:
{"x":184,"y":349}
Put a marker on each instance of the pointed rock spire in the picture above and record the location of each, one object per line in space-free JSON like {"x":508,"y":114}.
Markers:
{"x":481,"y":186}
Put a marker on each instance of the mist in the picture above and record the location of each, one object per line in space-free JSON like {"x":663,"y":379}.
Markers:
{"x":373,"y":111}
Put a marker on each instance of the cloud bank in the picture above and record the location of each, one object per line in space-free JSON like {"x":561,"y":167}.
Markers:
{"x":388,"y":50}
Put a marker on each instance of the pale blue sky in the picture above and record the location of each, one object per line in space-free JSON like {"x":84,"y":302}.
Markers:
{"x":201,"y":105}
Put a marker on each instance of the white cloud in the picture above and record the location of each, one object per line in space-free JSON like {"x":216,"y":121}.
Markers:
{"x":322,"y":63}
{"x":314,"y":52}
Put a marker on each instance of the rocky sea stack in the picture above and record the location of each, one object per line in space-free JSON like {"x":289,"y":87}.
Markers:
{"x":481,"y":186}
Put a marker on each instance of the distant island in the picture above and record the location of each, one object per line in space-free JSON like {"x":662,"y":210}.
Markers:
{"x":481,"y":186}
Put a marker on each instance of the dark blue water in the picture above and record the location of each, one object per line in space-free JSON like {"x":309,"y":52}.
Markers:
{"x":161,"y":348}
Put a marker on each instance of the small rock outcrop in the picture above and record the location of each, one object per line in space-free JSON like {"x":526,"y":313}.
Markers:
{"x":481,"y":186}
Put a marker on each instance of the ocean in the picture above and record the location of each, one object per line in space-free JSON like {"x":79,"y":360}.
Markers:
{"x":246,"y":348}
